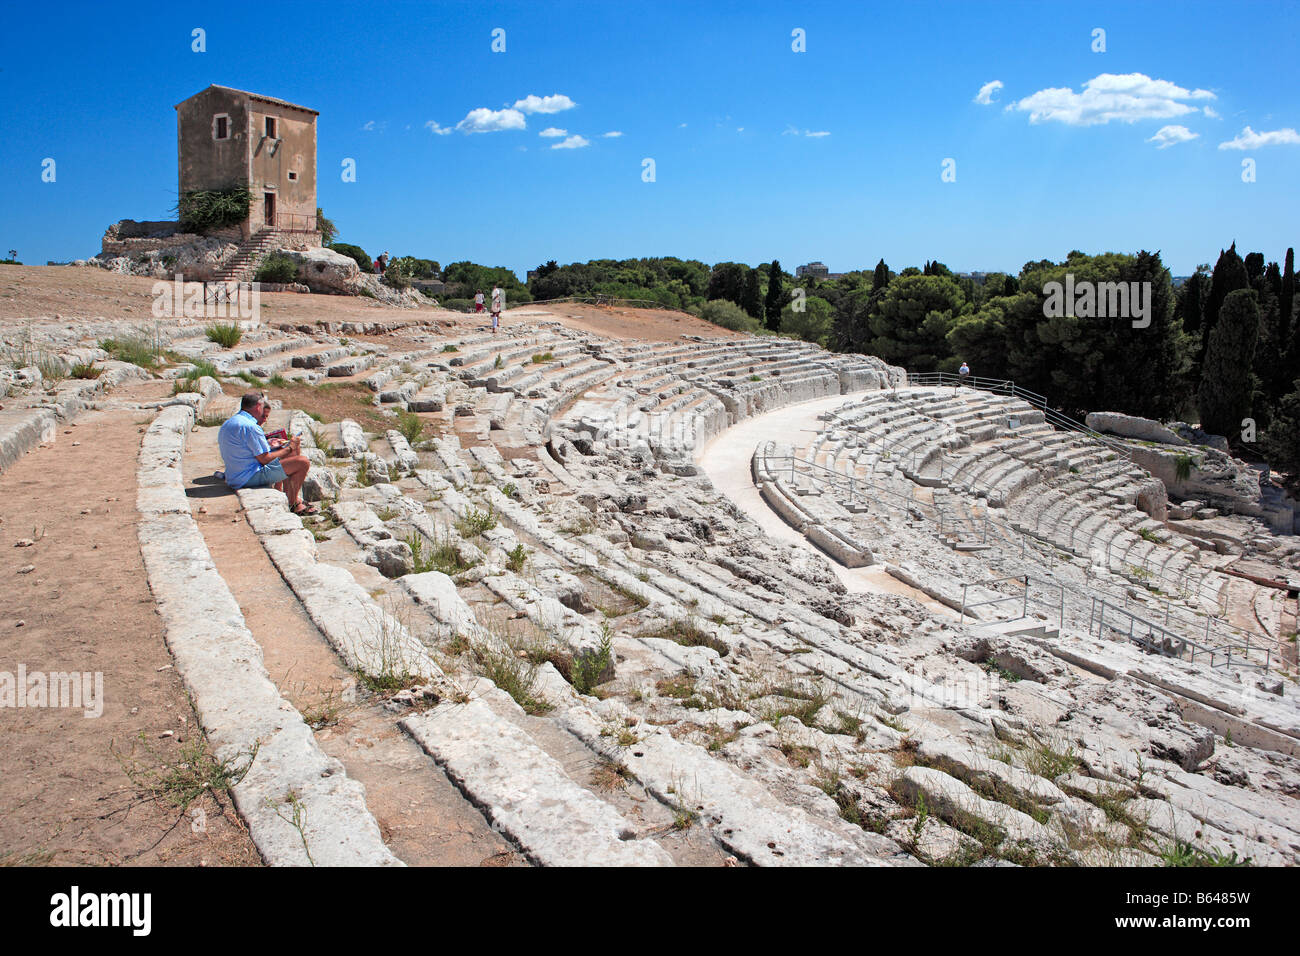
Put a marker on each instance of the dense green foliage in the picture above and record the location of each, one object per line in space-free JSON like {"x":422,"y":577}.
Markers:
{"x":325,"y":227}
{"x":202,"y":209}
{"x":729,"y":316}
{"x":463,"y":279}
{"x":675,"y":283}
{"x":355,"y":253}
{"x":277,"y":267}
{"x":1224,"y":396}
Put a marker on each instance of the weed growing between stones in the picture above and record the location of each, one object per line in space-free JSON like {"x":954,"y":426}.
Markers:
{"x":182,"y":779}
{"x":388,"y":667}
{"x":139,"y":348}
{"x":85,"y":370}
{"x":225,"y":334}
{"x":296,"y":818}
{"x":475,"y":522}
{"x":516,"y":558}
{"x":687,"y":632}
{"x":410,"y":426}
{"x":514,"y":674}
{"x":589,"y":668}
{"x":323,"y":443}
{"x":1182,"y":853}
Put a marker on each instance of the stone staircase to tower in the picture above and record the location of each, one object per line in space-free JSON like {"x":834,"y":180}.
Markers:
{"x":248,"y":257}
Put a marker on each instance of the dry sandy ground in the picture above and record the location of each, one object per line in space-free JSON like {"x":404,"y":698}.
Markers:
{"x":37,"y":294}
{"x":78,"y":599}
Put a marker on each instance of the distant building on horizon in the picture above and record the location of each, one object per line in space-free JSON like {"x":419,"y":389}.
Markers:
{"x":816,"y":270}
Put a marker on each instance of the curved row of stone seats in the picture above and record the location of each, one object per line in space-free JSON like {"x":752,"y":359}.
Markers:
{"x":553,"y":819}
{"x":732,"y":806}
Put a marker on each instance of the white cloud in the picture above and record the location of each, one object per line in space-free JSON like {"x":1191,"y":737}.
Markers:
{"x":552,"y":132}
{"x":572,"y":142}
{"x":438,"y":130}
{"x":1211,"y":112}
{"x":484,"y":120}
{"x":1127,"y":97}
{"x":810,"y":133}
{"x":555,"y":103}
{"x":1249,"y":139}
{"x":375,"y":126}
{"x":1167,"y":136}
{"x":985,"y":96}
{"x":681,"y":126}
{"x":612,"y":134}
{"x":740,"y":129}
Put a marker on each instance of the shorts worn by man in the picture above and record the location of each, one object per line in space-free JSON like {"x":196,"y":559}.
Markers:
{"x":250,"y":460}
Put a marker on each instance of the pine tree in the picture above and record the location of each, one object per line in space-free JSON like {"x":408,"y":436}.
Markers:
{"x":1225,"y":389}
{"x":752,"y":299}
{"x":775,"y":300}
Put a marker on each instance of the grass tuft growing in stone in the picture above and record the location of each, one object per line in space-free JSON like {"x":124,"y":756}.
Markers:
{"x":225,"y":334}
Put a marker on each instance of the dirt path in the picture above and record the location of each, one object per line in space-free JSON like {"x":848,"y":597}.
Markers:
{"x":77,"y":599}
{"x":422,"y":816}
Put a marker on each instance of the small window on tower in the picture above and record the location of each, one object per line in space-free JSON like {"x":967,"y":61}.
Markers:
{"x":293,"y":177}
{"x":270,"y":126}
{"x":221,"y":126}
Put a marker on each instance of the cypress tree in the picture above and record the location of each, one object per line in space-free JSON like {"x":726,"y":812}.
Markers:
{"x":1224,"y":395}
{"x":1287,"y":294}
{"x":775,"y":301}
{"x":1229,"y":276}
{"x":880,"y":278}
{"x":1254,"y":263}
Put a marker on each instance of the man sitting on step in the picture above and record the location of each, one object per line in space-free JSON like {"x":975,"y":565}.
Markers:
{"x":252,"y":463}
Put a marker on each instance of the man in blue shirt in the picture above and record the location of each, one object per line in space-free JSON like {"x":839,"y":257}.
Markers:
{"x":250,"y":460}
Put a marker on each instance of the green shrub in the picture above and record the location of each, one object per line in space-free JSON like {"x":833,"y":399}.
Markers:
{"x":410,"y":425}
{"x":277,"y":267}
{"x":356,"y":254}
{"x":397,"y":276}
{"x":86,"y":370}
{"x":201,"y":209}
{"x":476,"y":522}
{"x":729,"y":316}
{"x":225,"y":334}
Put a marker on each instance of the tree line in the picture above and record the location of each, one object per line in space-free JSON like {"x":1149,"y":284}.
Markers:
{"x":1221,"y":349}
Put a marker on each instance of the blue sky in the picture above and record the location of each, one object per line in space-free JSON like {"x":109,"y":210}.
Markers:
{"x":714,"y":94}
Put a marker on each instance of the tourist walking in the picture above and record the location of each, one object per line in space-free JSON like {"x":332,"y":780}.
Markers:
{"x":963,"y":373}
{"x":478,"y":301}
{"x":498,"y":303}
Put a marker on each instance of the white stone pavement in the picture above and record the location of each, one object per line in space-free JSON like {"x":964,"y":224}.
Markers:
{"x":726,"y":460}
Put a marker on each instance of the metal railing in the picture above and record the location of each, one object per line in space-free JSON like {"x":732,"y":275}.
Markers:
{"x":1053,"y":416}
{"x":1236,"y":646}
{"x":293,"y":222}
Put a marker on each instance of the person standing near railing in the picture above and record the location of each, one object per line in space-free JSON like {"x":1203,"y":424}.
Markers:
{"x":963,"y":373}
